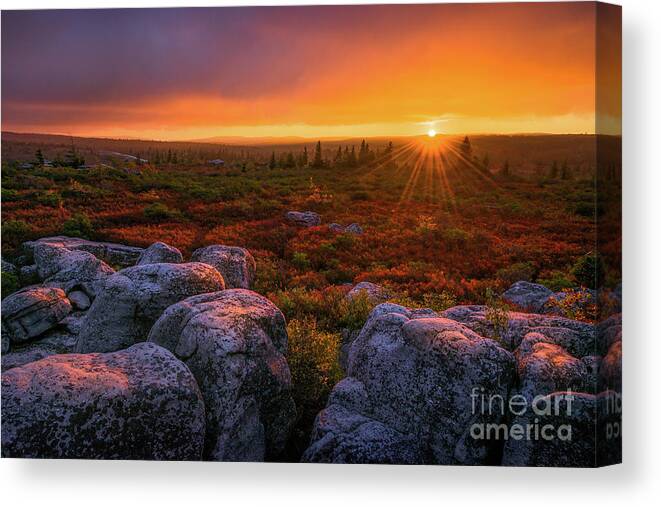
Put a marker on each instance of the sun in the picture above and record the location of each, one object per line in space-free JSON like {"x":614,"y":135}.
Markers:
{"x":431,"y":133}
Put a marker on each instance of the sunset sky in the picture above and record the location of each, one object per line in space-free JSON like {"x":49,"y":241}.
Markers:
{"x":301,"y":71}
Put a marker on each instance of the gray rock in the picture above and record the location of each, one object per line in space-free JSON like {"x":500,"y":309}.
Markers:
{"x":234,"y":342}
{"x":5,"y":341}
{"x":336,"y":228}
{"x":544,"y":368}
{"x":33,"y":311}
{"x":577,"y":338}
{"x":303,"y":218}
{"x":592,"y":365}
{"x":527,"y":296}
{"x":114,"y":254}
{"x":55,"y":342}
{"x":570,"y":419}
{"x":79,"y":299}
{"x":375,"y":293}
{"x":354,"y":229}
{"x":407,"y":397}
{"x":610,"y":370}
{"x":160,"y":252}
{"x":71,"y":269}
{"x":139,"y":403}
{"x":236,"y":264}
{"x":134,"y":298}
{"x":8,"y":267}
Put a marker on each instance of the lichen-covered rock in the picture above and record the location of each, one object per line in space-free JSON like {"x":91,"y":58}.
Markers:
{"x":8,"y":267}
{"x":234,"y":342}
{"x":375,"y":293}
{"x":28,"y":275}
{"x":577,"y":338}
{"x":71,"y":269}
{"x":31,"y":312}
{"x":134,"y":298}
{"x":354,"y":229}
{"x":544,"y":368}
{"x":121,"y":256}
{"x":236,"y":264}
{"x":336,"y":227}
{"x":557,"y":431}
{"x":58,"y":341}
{"x":610,"y":370}
{"x":139,"y":403}
{"x":160,"y":252}
{"x":528,"y":296}
{"x":303,"y":218}
{"x":409,"y":394}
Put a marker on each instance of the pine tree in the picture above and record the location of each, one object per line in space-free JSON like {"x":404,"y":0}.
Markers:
{"x":290,"y":162}
{"x":505,"y":171}
{"x":553,"y":173}
{"x":40,"y":157}
{"x":318,"y":161}
{"x":272,"y":161}
{"x":305,"y":156}
{"x":466,"y":147}
{"x":338,"y":156}
{"x":352,"y":162}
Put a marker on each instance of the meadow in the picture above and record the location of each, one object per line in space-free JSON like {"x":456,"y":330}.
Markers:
{"x":446,"y":221}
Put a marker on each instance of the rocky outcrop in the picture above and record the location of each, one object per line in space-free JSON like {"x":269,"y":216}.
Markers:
{"x":235,"y":343}
{"x":114,"y":254}
{"x":409,"y":394}
{"x":134,"y":298}
{"x":544,"y":368}
{"x":303,"y":218}
{"x":527,"y":296}
{"x":8,"y":267}
{"x":71,"y":269}
{"x":349,"y":229}
{"x":374,"y":293}
{"x":139,"y":403}
{"x":577,"y":338}
{"x":33,"y":311}
{"x":558,"y":430}
{"x":160,"y":252}
{"x":57,"y":341}
{"x":236,"y":264}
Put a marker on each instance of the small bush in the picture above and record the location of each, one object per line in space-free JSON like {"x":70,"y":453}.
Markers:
{"x":516,"y":272}
{"x":455,"y":237}
{"x":9,"y":284}
{"x":497,"y":315}
{"x":15,"y":232}
{"x":52,"y":199}
{"x":159,"y":211}
{"x":556,"y":281}
{"x":79,"y":226}
{"x":589,"y":271}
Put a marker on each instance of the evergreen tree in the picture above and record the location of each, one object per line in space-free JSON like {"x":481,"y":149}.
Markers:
{"x":338,"y":156}
{"x":352,"y":162}
{"x":318,"y":161}
{"x":290,"y":162}
{"x":305,"y":156}
{"x":553,"y":173}
{"x":40,"y":157}
{"x":505,"y":171}
{"x":272,"y":161}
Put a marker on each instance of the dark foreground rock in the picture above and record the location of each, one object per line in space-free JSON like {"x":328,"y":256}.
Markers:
{"x":235,"y":343}
{"x":408,"y":394}
{"x":33,"y":311}
{"x":236,"y":264}
{"x":134,"y":298}
{"x":528,"y":296}
{"x":559,"y":430}
{"x":139,"y":403}
{"x":115,"y":254}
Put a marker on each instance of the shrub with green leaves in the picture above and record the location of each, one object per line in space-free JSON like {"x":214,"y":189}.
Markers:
{"x":79,"y":226}
{"x":159,"y":211}
{"x":10,"y":284}
{"x":14,"y":232}
{"x":589,"y":271}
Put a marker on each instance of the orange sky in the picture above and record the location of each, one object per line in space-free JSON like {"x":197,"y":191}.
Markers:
{"x":306,"y":71}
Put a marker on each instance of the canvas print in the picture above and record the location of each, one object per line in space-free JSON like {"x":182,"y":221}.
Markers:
{"x":367,"y":234}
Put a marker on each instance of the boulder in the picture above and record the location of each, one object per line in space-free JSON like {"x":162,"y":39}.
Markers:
{"x":160,"y":252}
{"x":236,"y":264}
{"x":610,"y":370}
{"x":8,"y":267}
{"x":303,"y":218}
{"x":234,"y":342}
{"x":71,"y":269}
{"x":558,"y":430}
{"x":121,"y":256}
{"x":336,"y":228}
{"x":375,"y":293}
{"x":134,"y":298}
{"x":577,"y":338}
{"x":527,"y":296}
{"x":28,"y":275}
{"x":139,"y":403}
{"x":58,"y":341}
{"x":411,"y":393}
{"x":544,"y":368}
{"x":33,"y":311}
{"x":354,"y":229}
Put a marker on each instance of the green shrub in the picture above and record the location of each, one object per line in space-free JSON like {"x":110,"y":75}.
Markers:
{"x":9,"y":194}
{"x":79,"y":226}
{"x":159,"y":211}
{"x":52,"y":199}
{"x":455,"y":237}
{"x":497,"y":315}
{"x":589,"y":271}
{"x":15,"y":232}
{"x":556,"y":281}
{"x":301,"y":260}
{"x":10,"y":284}
{"x":313,"y":358}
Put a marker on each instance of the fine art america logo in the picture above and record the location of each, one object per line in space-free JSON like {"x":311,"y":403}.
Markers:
{"x":540,"y":408}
